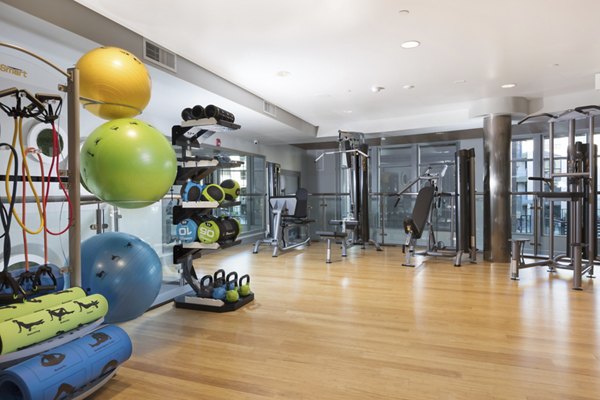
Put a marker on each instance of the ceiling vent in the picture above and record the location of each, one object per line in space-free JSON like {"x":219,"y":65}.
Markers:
{"x":269,"y":108}
{"x":160,"y":56}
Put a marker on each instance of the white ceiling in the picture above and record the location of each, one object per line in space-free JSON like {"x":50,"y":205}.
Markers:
{"x":336,"y":50}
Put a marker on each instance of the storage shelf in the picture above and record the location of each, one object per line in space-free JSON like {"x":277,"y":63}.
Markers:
{"x":192,"y":134}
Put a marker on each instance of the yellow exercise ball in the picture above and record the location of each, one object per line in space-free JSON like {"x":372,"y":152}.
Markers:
{"x":113,"y":83}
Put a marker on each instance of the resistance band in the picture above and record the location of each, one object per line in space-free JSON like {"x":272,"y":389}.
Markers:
{"x":18,"y":133}
{"x":7,"y":281}
{"x":29,"y":329}
{"x":69,"y":369}
{"x":54,"y":165}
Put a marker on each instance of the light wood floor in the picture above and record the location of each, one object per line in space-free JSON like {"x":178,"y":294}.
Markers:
{"x":367,"y":328}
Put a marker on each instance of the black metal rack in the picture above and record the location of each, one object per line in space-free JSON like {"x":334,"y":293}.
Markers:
{"x":191,"y":134}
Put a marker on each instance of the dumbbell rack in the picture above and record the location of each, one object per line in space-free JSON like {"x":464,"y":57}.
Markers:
{"x":188,"y":135}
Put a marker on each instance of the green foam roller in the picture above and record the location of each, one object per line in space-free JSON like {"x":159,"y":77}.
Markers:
{"x":30,"y":329}
{"x":12,"y":311}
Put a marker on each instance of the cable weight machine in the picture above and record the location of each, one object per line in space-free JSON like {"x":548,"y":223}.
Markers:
{"x":355,"y":225}
{"x":581,"y":174}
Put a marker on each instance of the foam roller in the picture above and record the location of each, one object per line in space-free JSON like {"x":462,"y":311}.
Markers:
{"x":67,"y":370}
{"x":39,"y":303}
{"x":29,"y":329}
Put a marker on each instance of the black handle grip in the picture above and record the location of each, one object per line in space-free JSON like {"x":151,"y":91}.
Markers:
{"x":245,"y":278}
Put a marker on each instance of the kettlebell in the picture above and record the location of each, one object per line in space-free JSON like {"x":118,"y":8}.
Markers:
{"x":206,"y":286}
{"x":244,"y":288}
{"x":219,"y":289}
{"x":231,"y":283}
{"x":219,"y":278}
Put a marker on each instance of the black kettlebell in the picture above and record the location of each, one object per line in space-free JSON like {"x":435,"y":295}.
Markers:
{"x":219,"y":278}
{"x":206,"y":286}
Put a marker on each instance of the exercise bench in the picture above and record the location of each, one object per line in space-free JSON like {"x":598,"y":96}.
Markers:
{"x":288,"y":212}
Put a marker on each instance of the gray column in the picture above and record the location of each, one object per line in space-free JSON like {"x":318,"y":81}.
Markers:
{"x":496,"y":182}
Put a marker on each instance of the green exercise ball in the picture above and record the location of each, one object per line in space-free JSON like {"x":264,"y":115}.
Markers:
{"x":128,"y":163}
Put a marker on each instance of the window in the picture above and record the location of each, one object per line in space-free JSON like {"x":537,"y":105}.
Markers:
{"x":522,"y":167}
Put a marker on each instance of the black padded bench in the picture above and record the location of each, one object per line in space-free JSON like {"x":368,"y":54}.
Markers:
{"x":332,"y":235}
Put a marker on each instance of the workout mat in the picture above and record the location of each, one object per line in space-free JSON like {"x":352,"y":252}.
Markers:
{"x":39,"y":303}
{"x":64,"y":370}
{"x":29,"y":329}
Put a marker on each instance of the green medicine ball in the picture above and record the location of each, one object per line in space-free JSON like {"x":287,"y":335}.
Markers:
{"x":213,"y":192}
{"x":231,"y":189}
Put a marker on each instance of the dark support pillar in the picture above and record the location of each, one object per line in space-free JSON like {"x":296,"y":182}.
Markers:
{"x":496,"y":182}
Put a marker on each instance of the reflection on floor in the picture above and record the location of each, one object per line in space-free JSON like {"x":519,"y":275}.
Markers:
{"x":365,"y":327}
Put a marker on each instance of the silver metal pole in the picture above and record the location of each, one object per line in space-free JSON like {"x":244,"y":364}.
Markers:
{"x":473,"y":204}
{"x":74,"y":181}
{"x":536,"y":224}
{"x":551,"y":176}
{"x":591,"y":198}
{"x":576,"y":207}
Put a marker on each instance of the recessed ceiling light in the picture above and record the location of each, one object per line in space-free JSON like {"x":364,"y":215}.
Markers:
{"x":460,"y":81}
{"x":377,"y":89}
{"x":347,"y":111}
{"x":408,"y":87}
{"x":404,"y":12}
{"x":283,"y":74}
{"x":411,"y":44}
{"x":508,"y":85}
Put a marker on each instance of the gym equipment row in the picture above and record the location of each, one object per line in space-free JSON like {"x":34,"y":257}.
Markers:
{"x":289,"y":213}
{"x":581,"y":175}
{"x":354,"y":227}
{"x":220,"y":292}
{"x":425,"y":207}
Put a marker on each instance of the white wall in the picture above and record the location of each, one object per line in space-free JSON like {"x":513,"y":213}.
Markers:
{"x":169,"y":96}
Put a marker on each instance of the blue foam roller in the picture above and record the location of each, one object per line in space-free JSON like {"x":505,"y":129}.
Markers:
{"x":64,"y":370}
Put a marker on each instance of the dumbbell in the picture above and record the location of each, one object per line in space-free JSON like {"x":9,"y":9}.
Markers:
{"x":244,"y":288}
{"x":231,"y":283}
{"x":206,"y":286}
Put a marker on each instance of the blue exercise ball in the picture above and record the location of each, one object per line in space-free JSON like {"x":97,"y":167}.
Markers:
{"x":124,"y":269}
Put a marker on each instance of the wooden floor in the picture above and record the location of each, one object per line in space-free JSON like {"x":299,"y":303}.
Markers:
{"x":367,"y":328}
